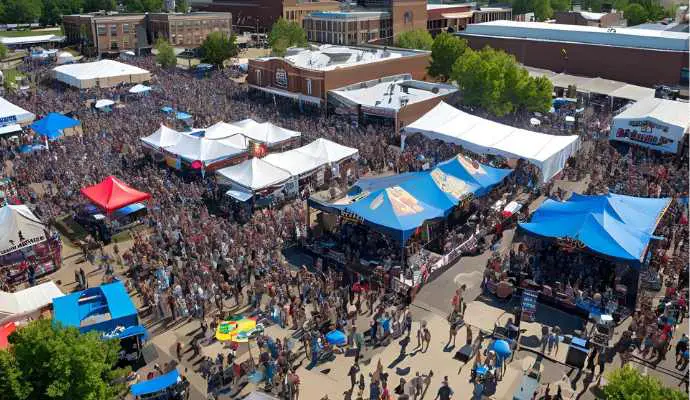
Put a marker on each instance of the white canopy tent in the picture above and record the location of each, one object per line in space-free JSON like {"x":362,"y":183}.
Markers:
{"x":327,"y":151}
{"x":139,"y":88}
{"x":65,"y":58}
{"x":265,"y":132}
{"x":162,"y":138}
{"x":14,"y":306}
{"x":206,"y":151}
{"x":446,"y":123}
{"x":13,"y":114}
{"x":221,"y":130}
{"x":295,"y":161}
{"x":103,"y":73}
{"x":104,"y":103}
{"x":19,"y":228}
{"x":658,"y":124}
{"x":253,"y":174}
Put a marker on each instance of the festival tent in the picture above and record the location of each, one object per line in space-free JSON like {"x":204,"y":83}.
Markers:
{"x":139,"y":88}
{"x":65,"y":58}
{"x":253,"y":175}
{"x":103,"y":308}
{"x":13,"y":114}
{"x":393,"y":211}
{"x":380,"y":182}
{"x":239,"y":141}
{"x":206,"y":151}
{"x":265,"y":132}
{"x":162,"y":138}
{"x":156,"y":384}
{"x":221,"y":130}
{"x":112,"y":194}
{"x":328,"y":151}
{"x":102,"y":103}
{"x":483,"y":176}
{"x":53,"y":124}
{"x":19,"y":228}
{"x":19,"y":304}
{"x":103,"y":73}
{"x":296,"y":162}
{"x":613,"y":225}
{"x":482,"y":136}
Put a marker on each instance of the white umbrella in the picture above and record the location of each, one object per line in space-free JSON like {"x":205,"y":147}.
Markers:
{"x":534,"y":122}
{"x":139,"y":88}
{"x":569,"y":118}
{"x":104,"y":103}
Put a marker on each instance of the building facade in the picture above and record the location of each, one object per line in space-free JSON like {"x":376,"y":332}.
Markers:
{"x":586,"y":18}
{"x":349,"y":28}
{"x":308,"y":75}
{"x":100,"y":34}
{"x":637,"y":56}
{"x":260,"y":15}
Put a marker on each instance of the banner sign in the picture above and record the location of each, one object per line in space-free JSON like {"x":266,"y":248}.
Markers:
{"x":647,"y":133}
{"x":14,"y":246}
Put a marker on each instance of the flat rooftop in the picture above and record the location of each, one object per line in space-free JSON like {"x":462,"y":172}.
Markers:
{"x":394,"y":93}
{"x":446,"y":6}
{"x":329,"y":57}
{"x":349,"y":15}
{"x":30,"y":39}
{"x":617,"y":37}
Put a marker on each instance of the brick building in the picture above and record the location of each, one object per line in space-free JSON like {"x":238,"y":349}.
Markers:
{"x":308,"y":74}
{"x":349,"y":27}
{"x":259,"y":15}
{"x":118,"y":32}
{"x":635,"y":56}
{"x":586,"y":18}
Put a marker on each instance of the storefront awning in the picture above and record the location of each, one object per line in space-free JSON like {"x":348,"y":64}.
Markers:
{"x":466,"y":14}
{"x":285,"y":93}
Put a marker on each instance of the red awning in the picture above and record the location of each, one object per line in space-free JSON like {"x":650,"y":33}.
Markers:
{"x":5,"y":331}
{"x":112,"y":194}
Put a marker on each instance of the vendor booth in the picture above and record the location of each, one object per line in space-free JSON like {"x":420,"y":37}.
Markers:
{"x":28,"y":302}
{"x":112,"y":194}
{"x":164,"y":387}
{"x":201,"y":154}
{"x":55,"y":125}
{"x":654,"y":123}
{"x":162,"y":138}
{"x":100,"y":74}
{"x":257,"y":180}
{"x":482,"y":136}
{"x":27,"y":250}
{"x":601,"y":243}
{"x":106,"y":309}
{"x":13,"y":114}
{"x":272,"y":136}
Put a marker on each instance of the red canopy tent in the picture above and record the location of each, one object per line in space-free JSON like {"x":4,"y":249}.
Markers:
{"x":112,"y":194}
{"x":5,"y":331}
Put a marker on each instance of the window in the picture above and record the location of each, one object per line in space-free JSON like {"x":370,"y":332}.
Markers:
{"x":101,"y":29}
{"x":125,"y":43}
{"x":125,"y":28}
{"x":114,"y":45}
{"x":258,"y":77}
{"x":113,"y":30}
{"x":309,"y":87}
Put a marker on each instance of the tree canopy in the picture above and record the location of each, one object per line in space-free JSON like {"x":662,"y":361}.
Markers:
{"x":143,"y":5}
{"x":493,"y":80}
{"x":628,"y":383}
{"x":181,"y":6}
{"x":49,"y":362}
{"x":218,"y":47}
{"x":635,"y":14}
{"x":21,"y":11}
{"x":415,"y":39}
{"x":284,"y":35}
{"x":445,"y":50}
{"x":166,"y":54}
{"x":542,"y":9}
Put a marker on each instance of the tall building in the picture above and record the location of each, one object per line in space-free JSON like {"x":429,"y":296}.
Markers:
{"x":98,"y":34}
{"x":259,"y":15}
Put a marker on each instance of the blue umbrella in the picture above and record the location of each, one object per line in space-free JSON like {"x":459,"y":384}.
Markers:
{"x":502,"y":348}
{"x":336,"y":338}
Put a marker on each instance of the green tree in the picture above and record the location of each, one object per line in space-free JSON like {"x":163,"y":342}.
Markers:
{"x":539,"y":92}
{"x":143,"y":5}
{"x":635,"y":14}
{"x":445,"y":50}
{"x":628,"y":383}
{"x":166,"y":54}
{"x":21,"y":11}
{"x":49,"y":362}
{"x":560,"y":5}
{"x":218,"y":47}
{"x":182,"y":6}
{"x":3,"y":51}
{"x":620,"y":5}
{"x":97,"y":5}
{"x":522,"y":7}
{"x":415,"y":39}
{"x":284,"y":35}
{"x":542,"y":10}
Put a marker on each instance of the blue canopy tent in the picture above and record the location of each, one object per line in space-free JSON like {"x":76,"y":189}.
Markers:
{"x":182,"y":115}
{"x":157,"y":384}
{"x":613,"y":225}
{"x":380,"y":182}
{"x":52,"y":125}
{"x":472,"y":172}
{"x":394,"y":212}
{"x":439,"y":189}
{"x":167,"y":109}
{"x":88,"y":309}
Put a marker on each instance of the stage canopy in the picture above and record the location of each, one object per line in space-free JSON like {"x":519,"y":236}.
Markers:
{"x":303,"y":160}
{"x":613,"y":225}
{"x":26,"y":301}
{"x":156,"y":384}
{"x":658,"y":124}
{"x":19,"y":228}
{"x":162,"y":138}
{"x":13,"y":114}
{"x":253,"y":175}
{"x":101,"y":309}
{"x":265,"y":132}
{"x":327,"y":151}
{"x":206,"y":151}
{"x":51,"y":125}
{"x":483,"y":136}
{"x":112,"y":194}
{"x":103,"y":73}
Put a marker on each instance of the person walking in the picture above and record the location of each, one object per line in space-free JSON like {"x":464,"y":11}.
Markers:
{"x":354,"y":370}
{"x":444,"y":392}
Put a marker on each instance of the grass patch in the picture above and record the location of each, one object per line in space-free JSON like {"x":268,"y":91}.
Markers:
{"x":55,"y":31}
